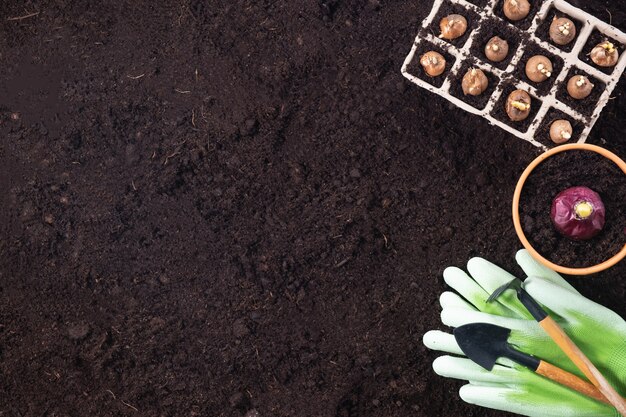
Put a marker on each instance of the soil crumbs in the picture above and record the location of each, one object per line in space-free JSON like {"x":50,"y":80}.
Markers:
{"x":240,"y":208}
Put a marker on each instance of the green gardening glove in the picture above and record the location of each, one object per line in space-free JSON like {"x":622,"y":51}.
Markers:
{"x":509,"y":386}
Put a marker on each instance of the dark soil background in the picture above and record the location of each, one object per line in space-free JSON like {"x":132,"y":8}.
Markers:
{"x":215,"y":207}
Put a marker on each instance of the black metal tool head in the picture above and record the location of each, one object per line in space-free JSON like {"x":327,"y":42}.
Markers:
{"x":483,"y":343}
{"x":515,"y":284}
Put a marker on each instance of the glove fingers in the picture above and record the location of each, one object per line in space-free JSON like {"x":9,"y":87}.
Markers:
{"x":441,"y":341}
{"x":570,"y":306}
{"x":533,"y":268}
{"x":466,"y":286}
{"x":445,"y":342}
{"x":463,"y":368}
{"x":505,"y":399}
{"x":536,"y":396}
{"x":497,"y":398}
{"x":491,"y":277}
{"x":455,"y":317}
{"x":486,"y":384}
{"x":449,"y":299}
{"x":472,"y":292}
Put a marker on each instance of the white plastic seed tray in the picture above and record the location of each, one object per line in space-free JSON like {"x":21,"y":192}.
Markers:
{"x":587,"y":25}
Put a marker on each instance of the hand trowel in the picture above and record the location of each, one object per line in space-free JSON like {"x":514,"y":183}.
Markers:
{"x":563,"y":341}
{"x":484,"y":343}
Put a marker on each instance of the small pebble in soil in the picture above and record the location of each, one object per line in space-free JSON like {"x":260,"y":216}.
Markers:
{"x":482,"y":179}
{"x":240,"y":329}
{"x":497,"y":49}
{"x":562,"y":30}
{"x":529,"y":224}
{"x":604,"y":54}
{"x":250,"y":127}
{"x":236,"y":399}
{"x":252,"y":413}
{"x":15,"y":116}
{"x":373,"y":5}
{"x":452,"y":26}
{"x":355,"y":173}
{"x":474,"y":82}
{"x":579,"y":87}
{"x":539,"y":68}
{"x":560,"y":131}
{"x":434,"y":63}
{"x":78,"y":331}
{"x":516,"y":9}
{"x":518,"y":105}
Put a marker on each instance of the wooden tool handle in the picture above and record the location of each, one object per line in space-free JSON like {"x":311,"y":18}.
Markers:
{"x":570,"y":380}
{"x":583,"y":363}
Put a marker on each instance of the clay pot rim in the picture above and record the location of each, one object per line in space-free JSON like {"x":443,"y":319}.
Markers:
{"x":516,"y":217}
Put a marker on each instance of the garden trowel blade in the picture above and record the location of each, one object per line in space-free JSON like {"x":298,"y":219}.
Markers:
{"x":483,"y":343}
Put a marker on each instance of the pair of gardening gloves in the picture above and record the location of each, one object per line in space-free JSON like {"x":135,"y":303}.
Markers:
{"x":598,"y":331}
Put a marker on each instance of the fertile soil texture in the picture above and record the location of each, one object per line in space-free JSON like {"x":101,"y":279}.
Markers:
{"x":558,"y":173}
{"x":240,"y":208}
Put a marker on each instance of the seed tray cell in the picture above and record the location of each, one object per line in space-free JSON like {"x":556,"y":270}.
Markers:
{"x":523,"y":24}
{"x":544,"y":27}
{"x":480,"y":101}
{"x":479,"y":3}
{"x":450,"y":7}
{"x":488,"y":29}
{"x":531,"y":49}
{"x":586,"y":105}
{"x":550,"y":97}
{"x":415,"y":68}
{"x":499,"y":113}
{"x":596,"y":38}
{"x":543,"y":132}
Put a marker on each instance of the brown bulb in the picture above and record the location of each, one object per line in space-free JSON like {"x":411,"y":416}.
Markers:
{"x":579,"y":87}
{"x":474,"y":82}
{"x":560,"y":131}
{"x":604,"y":54}
{"x":562,"y":30}
{"x":538,"y":68}
{"x":497,"y":49}
{"x":433,"y":63}
{"x":452,"y":26}
{"x":516,"y":9}
{"x":518,"y":105}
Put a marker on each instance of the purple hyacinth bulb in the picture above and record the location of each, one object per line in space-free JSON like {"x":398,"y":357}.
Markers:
{"x":578,"y":213}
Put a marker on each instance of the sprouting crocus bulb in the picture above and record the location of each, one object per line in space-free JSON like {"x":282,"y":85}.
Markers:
{"x":578,"y":213}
